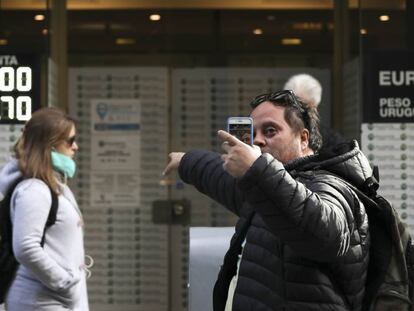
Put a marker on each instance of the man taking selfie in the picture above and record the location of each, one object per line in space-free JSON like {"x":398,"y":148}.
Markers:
{"x":302,"y":241}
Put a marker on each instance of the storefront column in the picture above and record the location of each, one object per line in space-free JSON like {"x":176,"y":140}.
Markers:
{"x":341,"y":55}
{"x":58,"y":65}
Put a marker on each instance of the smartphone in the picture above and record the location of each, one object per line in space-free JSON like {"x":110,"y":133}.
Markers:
{"x":242,"y":128}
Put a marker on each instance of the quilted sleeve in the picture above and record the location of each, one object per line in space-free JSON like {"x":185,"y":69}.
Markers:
{"x":204,"y":170}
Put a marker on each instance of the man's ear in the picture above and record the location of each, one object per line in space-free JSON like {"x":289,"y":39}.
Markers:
{"x":304,"y":139}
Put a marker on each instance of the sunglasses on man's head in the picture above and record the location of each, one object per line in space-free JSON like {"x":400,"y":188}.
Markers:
{"x":71,"y":140}
{"x":286,"y":98}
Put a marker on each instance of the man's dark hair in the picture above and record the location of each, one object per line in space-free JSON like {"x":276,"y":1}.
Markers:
{"x":298,"y":114}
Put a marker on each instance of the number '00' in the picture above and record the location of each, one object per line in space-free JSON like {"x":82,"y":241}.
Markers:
{"x":19,"y":79}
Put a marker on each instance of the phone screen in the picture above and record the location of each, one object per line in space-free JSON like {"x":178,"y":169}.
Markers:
{"x":242,"y":131}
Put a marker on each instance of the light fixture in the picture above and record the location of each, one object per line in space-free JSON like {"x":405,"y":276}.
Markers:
{"x":155,"y":17}
{"x":3,"y":42}
{"x":124,"y":41}
{"x":258,"y":31}
{"x":39,"y":17}
{"x":363,"y":31}
{"x":291,"y":41}
{"x":307,"y":26}
{"x":45,"y":31}
{"x":384,"y":18}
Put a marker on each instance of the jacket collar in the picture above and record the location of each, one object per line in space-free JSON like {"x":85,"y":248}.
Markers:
{"x":345,"y":160}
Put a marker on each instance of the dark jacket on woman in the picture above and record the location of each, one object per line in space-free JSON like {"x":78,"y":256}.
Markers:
{"x":306,"y":232}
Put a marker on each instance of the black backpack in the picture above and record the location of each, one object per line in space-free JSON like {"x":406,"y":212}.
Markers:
{"x":390,"y":279}
{"x":8,"y":263}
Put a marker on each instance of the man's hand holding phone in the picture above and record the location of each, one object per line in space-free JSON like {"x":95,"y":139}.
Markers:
{"x":238,"y":156}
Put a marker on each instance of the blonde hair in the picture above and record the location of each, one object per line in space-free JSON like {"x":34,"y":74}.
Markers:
{"x":47,"y":128}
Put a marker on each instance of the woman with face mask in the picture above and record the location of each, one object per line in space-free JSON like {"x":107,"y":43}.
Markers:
{"x":51,"y":274}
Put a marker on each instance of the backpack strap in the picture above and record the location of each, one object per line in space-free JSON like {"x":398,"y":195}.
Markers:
{"x":371,"y":184}
{"x":368,"y":189}
{"x":51,"y":218}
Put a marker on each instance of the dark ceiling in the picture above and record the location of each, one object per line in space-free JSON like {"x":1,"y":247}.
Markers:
{"x":200,"y":31}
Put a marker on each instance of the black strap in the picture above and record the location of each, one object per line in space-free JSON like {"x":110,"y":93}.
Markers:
{"x":51,"y":218}
{"x":368,"y":191}
{"x":371,"y":184}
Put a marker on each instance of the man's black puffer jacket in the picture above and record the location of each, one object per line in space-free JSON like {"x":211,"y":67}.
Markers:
{"x":307,"y":235}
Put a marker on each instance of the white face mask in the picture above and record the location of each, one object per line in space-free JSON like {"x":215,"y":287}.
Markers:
{"x":64,"y":164}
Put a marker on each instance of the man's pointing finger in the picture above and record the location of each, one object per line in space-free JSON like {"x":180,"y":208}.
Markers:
{"x":225,"y":136}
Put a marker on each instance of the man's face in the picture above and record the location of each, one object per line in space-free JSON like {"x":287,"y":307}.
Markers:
{"x":274,"y":135}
